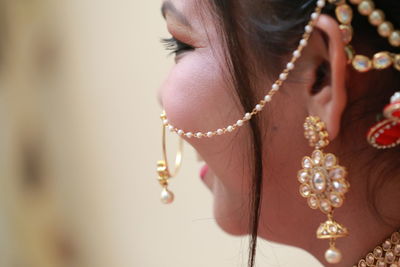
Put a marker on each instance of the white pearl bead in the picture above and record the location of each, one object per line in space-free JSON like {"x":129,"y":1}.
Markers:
{"x":220,"y":131}
{"x":275,"y":87}
{"x":165,"y":122}
{"x":290,"y":66}
{"x":239,"y":123}
{"x":283,"y":76}
{"x":167,"y":196}
{"x":198,"y":135}
{"x":209,"y":134}
{"x":230,"y":128}
{"x":189,"y":135}
{"x":297,"y":54}
{"x":180,"y":132}
{"x":314,"y":16}
{"x":247,"y":116}
{"x":303,"y":42}
{"x":321,"y":3}
{"x":267,"y":98}
{"x":170,"y":127}
{"x":333,"y":255}
{"x":308,"y":29}
{"x":259,"y":107}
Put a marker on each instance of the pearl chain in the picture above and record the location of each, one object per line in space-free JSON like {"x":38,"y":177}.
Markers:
{"x":308,"y":29}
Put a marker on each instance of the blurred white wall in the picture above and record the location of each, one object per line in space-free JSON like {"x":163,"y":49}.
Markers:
{"x":80,"y":137}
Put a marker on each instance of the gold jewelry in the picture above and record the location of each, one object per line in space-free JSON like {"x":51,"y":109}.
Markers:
{"x":308,"y":29}
{"x":385,"y":255}
{"x":323,"y":183}
{"x":381,"y":60}
{"x":386,"y":133}
{"x":164,"y":173}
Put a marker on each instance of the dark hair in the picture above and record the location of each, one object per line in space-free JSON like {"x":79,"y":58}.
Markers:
{"x":272,"y":28}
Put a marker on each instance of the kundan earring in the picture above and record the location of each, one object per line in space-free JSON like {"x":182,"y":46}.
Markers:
{"x":386,"y":133}
{"x":164,"y":173}
{"x":323,"y":183}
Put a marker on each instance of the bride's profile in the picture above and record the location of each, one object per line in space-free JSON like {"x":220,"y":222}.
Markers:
{"x":295,"y":108}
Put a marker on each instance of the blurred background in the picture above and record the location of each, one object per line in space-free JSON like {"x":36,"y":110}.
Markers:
{"x":80,"y":136}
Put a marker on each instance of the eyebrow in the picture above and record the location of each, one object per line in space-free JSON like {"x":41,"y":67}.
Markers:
{"x":168,"y":6}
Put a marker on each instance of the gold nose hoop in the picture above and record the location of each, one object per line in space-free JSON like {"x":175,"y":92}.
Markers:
{"x":163,"y":170}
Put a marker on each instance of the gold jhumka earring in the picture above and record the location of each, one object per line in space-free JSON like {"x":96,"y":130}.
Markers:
{"x":323,"y":183}
{"x":164,"y":173}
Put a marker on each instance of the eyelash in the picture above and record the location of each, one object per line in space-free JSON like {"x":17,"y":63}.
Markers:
{"x":175,"y":46}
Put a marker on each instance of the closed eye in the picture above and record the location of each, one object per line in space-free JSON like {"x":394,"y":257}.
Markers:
{"x":175,"y":46}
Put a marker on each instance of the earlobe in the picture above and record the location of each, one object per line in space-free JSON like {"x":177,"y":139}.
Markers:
{"x":328,"y":99}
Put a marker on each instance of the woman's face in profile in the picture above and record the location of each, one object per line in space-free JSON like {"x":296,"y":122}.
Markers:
{"x":197,"y":96}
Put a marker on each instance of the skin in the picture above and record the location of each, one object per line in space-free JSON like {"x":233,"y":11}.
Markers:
{"x":197,"y":97}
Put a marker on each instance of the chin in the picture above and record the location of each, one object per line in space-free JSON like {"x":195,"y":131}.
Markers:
{"x":231,"y":221}
{"x":231,"y":228}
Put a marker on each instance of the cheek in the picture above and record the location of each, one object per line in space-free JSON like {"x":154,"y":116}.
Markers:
{"x":198,"y":97}
{"x":195,"y":95}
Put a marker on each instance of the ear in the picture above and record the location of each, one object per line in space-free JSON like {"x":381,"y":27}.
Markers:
{"x":326,"y":94}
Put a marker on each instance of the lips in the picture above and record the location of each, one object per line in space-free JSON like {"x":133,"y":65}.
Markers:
{"x":203,"y":171}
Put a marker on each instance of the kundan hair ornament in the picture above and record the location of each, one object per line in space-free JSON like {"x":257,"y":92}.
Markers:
{"x":386,"y":133}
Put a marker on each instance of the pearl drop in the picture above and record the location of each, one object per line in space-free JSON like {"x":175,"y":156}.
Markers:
{"x":167,"y":196}
{"x":198,"y":135}
{"x":308,"y":29}
{"x":247,"y":116}
{"x":333,"y":255}
{"x":239,"y":123}
{"x":189,"y":135}
{"x":275,"y":87}
{"x":209,"y":134}
{"x":283,"y":76}
{"x":321,"y":3}
{"x":259,"y":107}
{"x":220,"y":131}
{"x":230,"y":128}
